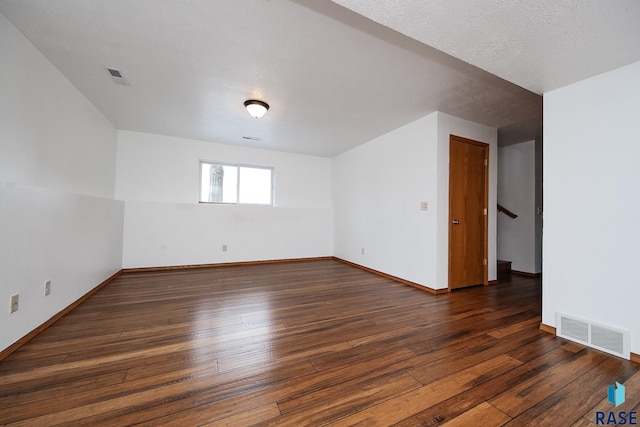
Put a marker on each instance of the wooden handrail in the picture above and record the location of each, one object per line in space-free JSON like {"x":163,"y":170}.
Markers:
{"x":506,"y":211}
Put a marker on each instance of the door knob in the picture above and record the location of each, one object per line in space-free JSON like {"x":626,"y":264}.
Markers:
{"x":455,"y":221}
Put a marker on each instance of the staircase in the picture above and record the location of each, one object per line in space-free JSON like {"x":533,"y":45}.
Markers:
{"x":504,"y":270}
{"x":504,"y":267}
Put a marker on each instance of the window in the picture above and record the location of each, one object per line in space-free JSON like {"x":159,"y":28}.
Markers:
{"x":238,"y":184}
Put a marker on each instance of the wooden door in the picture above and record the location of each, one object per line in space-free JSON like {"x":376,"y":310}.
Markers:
{"x":468,"y":194}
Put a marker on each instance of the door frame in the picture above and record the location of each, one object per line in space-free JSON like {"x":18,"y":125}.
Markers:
{"x":485,"y":146}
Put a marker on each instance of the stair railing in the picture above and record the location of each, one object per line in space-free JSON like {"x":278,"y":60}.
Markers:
{"x":506,"y":211}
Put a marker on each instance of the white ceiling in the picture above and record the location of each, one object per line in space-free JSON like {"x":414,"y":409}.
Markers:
{"x":334,"y":78}
{"x":540,"y":45}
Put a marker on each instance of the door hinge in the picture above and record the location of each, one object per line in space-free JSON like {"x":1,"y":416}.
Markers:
{"x":486,"y":162}
{"x":484,"y":261}
{"x":484,"y":212}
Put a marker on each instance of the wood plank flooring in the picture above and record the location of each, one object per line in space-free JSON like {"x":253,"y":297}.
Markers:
{"x":305,"y":344}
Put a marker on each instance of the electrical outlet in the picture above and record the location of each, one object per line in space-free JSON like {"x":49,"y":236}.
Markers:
{"x":225,"y":248}
{"x":47,"y":287}
{"x":14,"y":302}
{"x":424,"y":206}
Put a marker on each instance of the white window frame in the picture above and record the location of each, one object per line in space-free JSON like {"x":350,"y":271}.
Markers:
{"x":239,"y":166}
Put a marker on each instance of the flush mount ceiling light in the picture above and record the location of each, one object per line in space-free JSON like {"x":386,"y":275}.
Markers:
{"x":256,"y":108}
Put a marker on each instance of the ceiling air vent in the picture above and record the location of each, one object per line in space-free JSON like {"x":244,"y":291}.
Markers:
{"x":605,"y":338}
{"x":117,"y":77}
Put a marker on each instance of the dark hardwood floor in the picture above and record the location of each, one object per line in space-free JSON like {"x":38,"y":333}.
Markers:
{"x":306,"y":343}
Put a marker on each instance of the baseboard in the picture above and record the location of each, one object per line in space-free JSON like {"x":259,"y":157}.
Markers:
{"x":548,"y":329}
{"x":492,"y":282}
{"x":222,"y":264}
{"x":525,"y":274}
{"x":22,"y":341}
{"x":635,"y":358}
{"x":394,"y":278}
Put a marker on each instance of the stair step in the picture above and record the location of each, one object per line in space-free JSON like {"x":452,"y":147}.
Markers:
{"x":504,"y":269}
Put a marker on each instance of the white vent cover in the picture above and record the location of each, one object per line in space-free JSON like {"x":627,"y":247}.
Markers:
{"x":611,"y":340}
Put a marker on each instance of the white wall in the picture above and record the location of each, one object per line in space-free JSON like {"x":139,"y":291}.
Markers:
{"x":168,"y":234}
{"x":517,"y":192}
{"x":71,"y":239}
{"x":51,"y":135}
{"x":378,"y":188}
{"x":58,"y":220}
{"x":591,"y":176}
{"x":158,"y":178}
{"x":155,"y":168}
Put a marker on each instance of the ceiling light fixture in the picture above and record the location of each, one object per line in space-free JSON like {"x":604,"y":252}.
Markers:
{"x":256,"y":108}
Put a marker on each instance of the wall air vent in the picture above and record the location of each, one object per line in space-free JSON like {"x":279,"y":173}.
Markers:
{"x":611,"y":340}
{"x":252,"y":138}
{"x":117,"y":77}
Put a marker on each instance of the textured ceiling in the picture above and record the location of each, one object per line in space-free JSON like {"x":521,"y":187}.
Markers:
{"x":334,"y":79}
{"x":540,"y":45}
